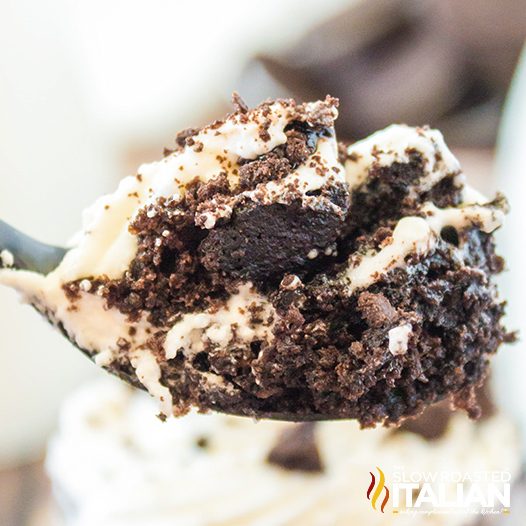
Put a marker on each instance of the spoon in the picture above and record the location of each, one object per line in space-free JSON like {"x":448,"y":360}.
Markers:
{"x":30,"y":254}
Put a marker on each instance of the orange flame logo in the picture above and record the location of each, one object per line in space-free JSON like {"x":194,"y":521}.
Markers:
{"x":378,"y":491}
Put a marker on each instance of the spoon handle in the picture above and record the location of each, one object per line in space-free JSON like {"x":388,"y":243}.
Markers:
{"x":27,"y":253}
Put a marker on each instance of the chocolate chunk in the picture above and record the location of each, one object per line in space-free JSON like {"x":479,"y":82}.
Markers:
{"x":376,"y":309}
{"x":296,"y":450}
{"x":265,"y":242}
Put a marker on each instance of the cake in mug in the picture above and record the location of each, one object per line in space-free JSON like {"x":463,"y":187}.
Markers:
{"x":113,"y":463}
{"x":262,"y":269}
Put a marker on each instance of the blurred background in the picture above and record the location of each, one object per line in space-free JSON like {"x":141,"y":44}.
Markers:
{"x":91,"y":89}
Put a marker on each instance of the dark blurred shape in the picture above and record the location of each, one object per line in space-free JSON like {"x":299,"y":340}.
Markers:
{"x":447,"y":63}
{"x":297,"y":450}
{"x":434,"y":421}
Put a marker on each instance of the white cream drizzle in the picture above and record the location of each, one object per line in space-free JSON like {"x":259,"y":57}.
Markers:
{"x":220,"y":327}
{"x":148,"y":372}
{"x":395,"y":144}
{"x":417,"y":236}
{"x":412,"y":235}
{"x":399,"y":338}
{"x":487,"y":218}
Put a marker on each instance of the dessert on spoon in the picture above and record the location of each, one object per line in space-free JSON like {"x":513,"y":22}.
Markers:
{"x":262,"y":269}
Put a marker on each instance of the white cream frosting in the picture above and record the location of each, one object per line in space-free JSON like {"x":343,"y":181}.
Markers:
{"x":399,"y":338}
{"x":112,"y":463}
{"x":396,"y":143}
{"x":90,"y":324}
{"x":218,"y":327}
{"x":148,"y":372}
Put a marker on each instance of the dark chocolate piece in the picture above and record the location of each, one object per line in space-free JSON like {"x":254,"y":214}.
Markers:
{"x":434,"y":421}
{"x":265,"y":242}
{"x":296,"y":450}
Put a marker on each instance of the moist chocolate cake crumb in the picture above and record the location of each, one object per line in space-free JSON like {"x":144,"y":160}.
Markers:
{"x":217,"y":186}
{"x":385,"y":195}
{"x":273,"y":167}
{"x":328,"y":358}
{"x":297,"y":450}
{"x":445,"y":194}
{"x":328,"y":354}
{"x":164,"y":279}
{"x":321,"y":115}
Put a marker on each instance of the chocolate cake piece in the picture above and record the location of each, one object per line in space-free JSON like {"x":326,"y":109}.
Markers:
{"x":263,"y":270}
